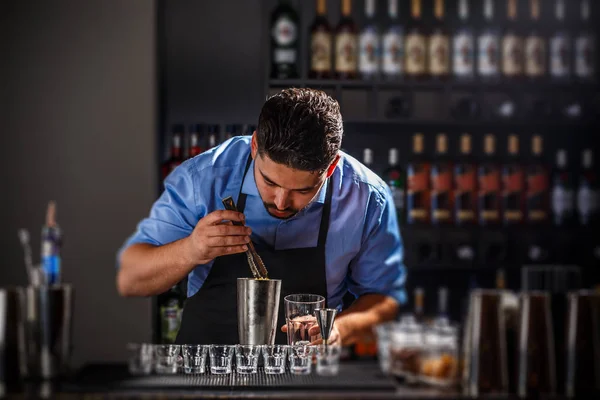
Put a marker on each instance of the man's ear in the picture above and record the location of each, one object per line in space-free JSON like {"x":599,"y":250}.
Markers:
{"x":331,"y":168}
{"x":254,"y":145}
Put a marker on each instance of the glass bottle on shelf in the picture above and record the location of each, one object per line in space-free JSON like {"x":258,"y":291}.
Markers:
{"x":439,"y":45}
{"x":585,"y":47}
{"x":513,"y":185}
{"x":418,"y":189}
{"x":175,"y":152}
{"x":535,"y":46}
{"x":560,"y":46}
{"x":416,"y":45}
{"x":489,"y":184}
{"x":369,"y":45}
{"x":284,"y":41}
{"x":395,"y":178}
{"x":588,"y":192}
{"x":195,"y":145}
{"x":488,"y":46}
{"x":346,"y":46}
{"x":512,"y":45}
{"x":463,"y":45}
{"x":465,"y":185}
{"x":171,"y":308}
{"x":537,"y":185}
{"x":320,"y":44}
{"x":563,"y":200}
{"x":441,"y":183}
{"x":392,"y":63}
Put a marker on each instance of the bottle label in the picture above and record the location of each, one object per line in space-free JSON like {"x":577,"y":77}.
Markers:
{"x":464,"y":181}
{"x":345,"y":52}
{"x":488,"y":54}
{"x":418,"y":185}
{"x":369,"y":51}
{"x":513,"y":187}
{"x":284,"y":56}
{"x":439,"y":54}
{"x":512,"y":55}
{"x":560,"y":54}
{"x":584,"y":57}
{"x":393,"y":52}
{"x":587,"y":203}
{"x":489,"y":187}
{"x":321,"y":52}
{"x":463,"y":54}
{"x":284,"y":31}
{"x":537,"y":187}
{"x":562,"y":201}
{"x":398,"y":196}
{"x":441,"y":187}
{"x":535,"y":56}
{"x":171,"y":320}
{"x":415,"y":54}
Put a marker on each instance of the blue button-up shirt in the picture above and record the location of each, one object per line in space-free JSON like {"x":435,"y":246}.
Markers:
{"x":363,"y":251}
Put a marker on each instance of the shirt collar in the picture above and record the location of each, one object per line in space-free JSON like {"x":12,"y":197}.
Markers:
{"x":249,"y":186}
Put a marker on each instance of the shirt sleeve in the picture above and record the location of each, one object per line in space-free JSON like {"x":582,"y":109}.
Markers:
{"x":173,"y":216}
{"x":378,"y":267}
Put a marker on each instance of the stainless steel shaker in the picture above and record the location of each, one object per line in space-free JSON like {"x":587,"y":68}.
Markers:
{"x":257,"y":308}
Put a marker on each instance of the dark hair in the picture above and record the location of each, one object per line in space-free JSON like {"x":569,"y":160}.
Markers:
{"x":301,"y":129}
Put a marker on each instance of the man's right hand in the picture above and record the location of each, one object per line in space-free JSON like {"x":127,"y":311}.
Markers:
{"x":215,"y":235}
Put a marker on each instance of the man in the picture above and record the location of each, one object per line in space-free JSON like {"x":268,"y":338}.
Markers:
{"x":321,"y":221}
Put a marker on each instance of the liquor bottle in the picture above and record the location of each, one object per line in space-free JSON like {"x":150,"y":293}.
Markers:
{"x":346,"y":57}
{"x":585,"y":47}
{"x":439,"y":45}
{"x":368,"y":158}
{"x":513,"y":185}
{"x":537,"y":185}
{"x":392,"y":63}
{"x":488,"y":183}
{"x":588,"y":195}
{"x":535,"y":45}
{"x":512,"y":45}
{"x":369,"y":44}
{"x":500,"y":279}
{"x":195,"y":145}
{"x":465,"y":189}
{"x":416,"y":45}
{"x":563,"y":204}
{"x":171,"y":309}
{"x":213,"y":135}
{"x":560,"y":46}
{"x":463,"y":45}
{"x":441,"y":184}
{"x":176,"y":152}
{"x":284,"y":41}
{"x":51,"y":242}
{"x":419,"y":294}
{"x":488,"y":46}
{"x":320,"y":44}
{"x":395,"y":179}
{"x":417,"y":200}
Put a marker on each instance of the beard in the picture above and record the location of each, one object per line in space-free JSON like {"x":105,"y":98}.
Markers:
{"x":273,"y":210}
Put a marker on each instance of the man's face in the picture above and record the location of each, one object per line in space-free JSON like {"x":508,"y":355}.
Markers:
{"x":283,"y":190}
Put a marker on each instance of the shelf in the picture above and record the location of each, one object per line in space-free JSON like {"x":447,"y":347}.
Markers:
{"x":453,"y":123}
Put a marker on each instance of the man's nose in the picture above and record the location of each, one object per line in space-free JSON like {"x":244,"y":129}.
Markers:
{"x":281,"y":199}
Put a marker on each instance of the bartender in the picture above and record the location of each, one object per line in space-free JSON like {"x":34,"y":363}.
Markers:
{"x":321,"y":221}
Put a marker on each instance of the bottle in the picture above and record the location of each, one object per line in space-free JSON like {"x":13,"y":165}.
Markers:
{"x":176,"y":152}
{"x":369,"y":44}
{"x":535,"y":46}
{"x":463,"y":45}
{"x":416,"y":45}
{"x":417,"y":200}
{"x":346,"y":62}
{"x":465,"y":206}
{"x":488,"y":46}
{"x":170,"y":314}
{"x":563,"y":202}
{"x":195,"y":147}
{"x":512,"y":185}
{"x":500,"y":279}
{"x":442,"y":318}
{"x":392,"y":63}
{"x":284,"y":41}
{"x":560,"y":46}
{"x":213,"y":135}
{"x":439,"y":45}
{"x":231,"y":130}
{"x":512,"y":45}
{"x":488,"y":183}
{"x":320,"y":44}
{"x":588,"y":195}
{"x":537,"y":186}
{"x":394,"y":177}
{"x":51,"y":241}
{"x":368,"y":158}
{"x":585,"y":47}
{"x":441,"y":184}
{"x":419,"y":294}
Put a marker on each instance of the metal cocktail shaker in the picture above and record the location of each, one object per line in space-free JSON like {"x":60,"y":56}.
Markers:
{"x":258,"y":308}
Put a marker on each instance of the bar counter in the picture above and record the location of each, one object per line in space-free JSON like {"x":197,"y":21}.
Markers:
{"x":356,"y":380}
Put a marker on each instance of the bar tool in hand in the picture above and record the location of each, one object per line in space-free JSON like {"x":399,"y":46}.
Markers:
{"x":257,"y":266}
{"x":325,"y":318}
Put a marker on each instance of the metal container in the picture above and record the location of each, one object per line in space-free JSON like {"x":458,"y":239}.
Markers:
{"x":11,"y":360}
{"x":258,"y":308}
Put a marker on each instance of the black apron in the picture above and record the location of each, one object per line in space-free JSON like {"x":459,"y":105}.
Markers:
{"x":210,"y":315}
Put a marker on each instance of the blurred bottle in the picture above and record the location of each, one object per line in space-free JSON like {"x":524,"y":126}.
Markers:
{"x":512,"y":45}
{"x":213,"y":135}
{"x":465,"y":189}
{"x":195,"y":144}
{"x":488,"y":45}
{"x":588,"y":195}
{"x":284,"y":41}
{"x":417,"y":200}
{"x":513,"y":185}
{"x":535,"y":45}
{"x":585,"y":46}
{"x":395,"y":178}
{"x":392,"y":63}
{"x":463,"y":45}
{"x":560,"y":46}
{"x":537,"y":186}
{"x":369,"y":44}
{"x":346,"y":46}
{"x":441,"y":184}
{"x":175,"y":152}
{"x":442,"y":317}
{"x":170,"y":314}
{"x":320,"y":44}
{"x":563,"y":203}
{"x":489,"y":185}
{"x":416,"y":44}
{"x":439,"y":45}
{"x":420,"y":305}
{"x":51,"y":240}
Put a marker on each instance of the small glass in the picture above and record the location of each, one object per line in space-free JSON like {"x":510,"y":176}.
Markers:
{"x":194,"y":358}
{"x":246,"y":358}
{"x":141,"y":357}
{"x":167,"y":358}
{"x":384,"y":333}
{"x":274,"y":358}
{"x":301,"y":359}
{"x":328,"y":359}
{"x":406,"y":350}
{"x":221,"y":357}
{"x":300,"y":317}
{"x":439,"y":363}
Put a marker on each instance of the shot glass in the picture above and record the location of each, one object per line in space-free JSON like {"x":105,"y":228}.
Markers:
{"x":167,"y":358}
{"x":221,"y":357}
{"x":301,"y":359}
{"x":246,"y":358}
{"x":194,"y":358}
{"x":328,"y":359}
{"x":274,"y":358}
{"x":141,"y":357}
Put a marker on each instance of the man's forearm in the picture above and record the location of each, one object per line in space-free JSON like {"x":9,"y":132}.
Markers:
{"x":368,"y":310}
{"x":148,"y":270}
